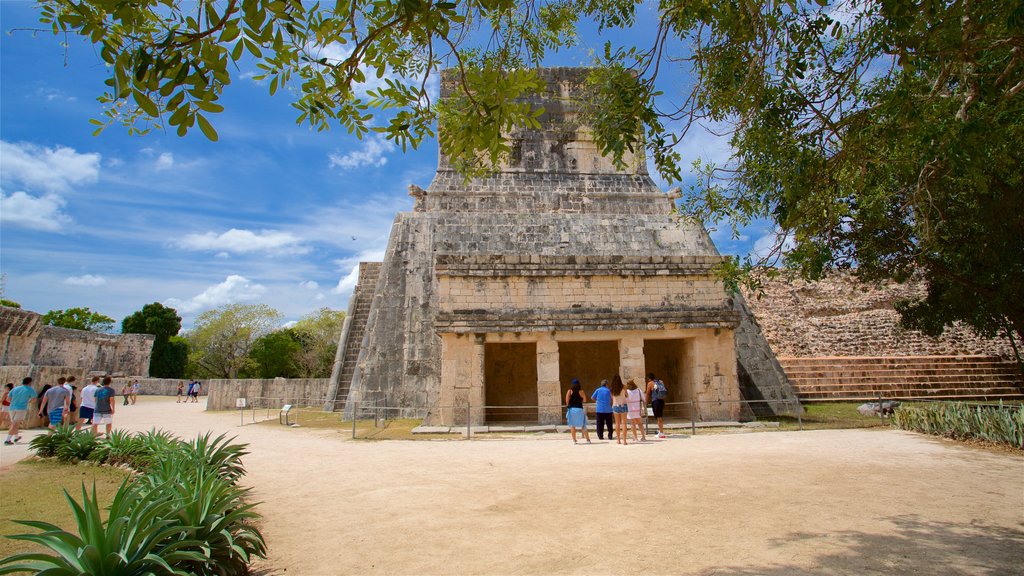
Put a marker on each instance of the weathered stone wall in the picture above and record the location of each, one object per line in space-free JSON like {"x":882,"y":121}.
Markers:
{"x":27,"y":342}
{"x":266,"y":393}
{"x":840,"y":316}
{"x":20,"y":330}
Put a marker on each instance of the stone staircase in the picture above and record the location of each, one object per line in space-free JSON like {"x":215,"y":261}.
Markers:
{"x":830,"y":379}
{"x":369,"y":272}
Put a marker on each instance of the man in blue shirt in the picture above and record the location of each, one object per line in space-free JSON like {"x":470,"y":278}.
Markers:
{"x":603,"y":397}
{"x":19,"y":397}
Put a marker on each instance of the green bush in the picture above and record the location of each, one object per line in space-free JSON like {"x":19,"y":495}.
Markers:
{"x":77,"y":447}
{"x":140,"y":538}
{"x":183,"y":513}
{"x":46,"y":445}
{"x":119,"y":448}
{"x":1001,"y":424}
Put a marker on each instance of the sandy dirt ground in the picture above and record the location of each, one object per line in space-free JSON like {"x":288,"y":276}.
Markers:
{"x":774,"y":503}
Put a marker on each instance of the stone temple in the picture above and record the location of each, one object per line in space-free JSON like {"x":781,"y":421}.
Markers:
{"x":498,"y":291}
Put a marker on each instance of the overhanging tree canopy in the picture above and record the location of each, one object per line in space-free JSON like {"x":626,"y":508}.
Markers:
{"x":878,"y":135}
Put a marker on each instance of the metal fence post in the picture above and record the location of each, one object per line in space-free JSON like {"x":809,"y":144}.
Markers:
{"x":469,"y":422}
{"x":355,"y":412}
{"x":693,"y":421}
{"x":799,"y":415}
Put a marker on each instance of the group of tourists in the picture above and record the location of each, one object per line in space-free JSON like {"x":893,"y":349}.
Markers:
{"x":619,"y":407}
{"x":58,"y":405}
{"x":192,"y":395}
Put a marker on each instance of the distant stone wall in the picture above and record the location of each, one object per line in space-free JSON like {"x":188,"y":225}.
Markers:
{"x":841,"y":316}
{"x":27,"y":342}
{"x":266,"y":393}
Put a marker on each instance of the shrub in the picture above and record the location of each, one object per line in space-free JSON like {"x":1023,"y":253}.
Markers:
{"x":138,"y":539}
{"x":77,"y":447}
{"x":183,"y":514}
{"x":119,"y":448}
{"x":46,"y":445}
{"x":1001,"y":424}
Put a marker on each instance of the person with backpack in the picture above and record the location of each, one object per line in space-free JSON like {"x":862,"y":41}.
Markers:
{"x":656,"y":395}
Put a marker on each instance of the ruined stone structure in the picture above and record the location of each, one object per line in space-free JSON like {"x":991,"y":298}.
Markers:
{"x":499,"y":291}
{"x":841,"y":316}
{"x":47,"y":352}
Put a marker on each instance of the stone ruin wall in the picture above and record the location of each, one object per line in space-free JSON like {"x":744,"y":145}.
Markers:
{"x":841,"y":316}
{"x":30,"y":348}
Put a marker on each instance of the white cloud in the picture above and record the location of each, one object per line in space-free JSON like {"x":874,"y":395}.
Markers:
{"x":765,"y":245}
{"x":372,"y":153}
{"x":86,"y":280}
{"x":709,"y":143}
{"x":233,"y":289}
{"x":245,"y":241}
{"x":52,"y":169}
{"x":309,"y":284}
{"x":165,"y":161}
{"x":38,"y":213}
{"x":347,"y":284}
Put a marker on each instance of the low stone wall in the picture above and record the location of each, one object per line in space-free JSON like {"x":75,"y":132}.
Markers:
{"x":266,"y":393}
{"x":840,"y":316}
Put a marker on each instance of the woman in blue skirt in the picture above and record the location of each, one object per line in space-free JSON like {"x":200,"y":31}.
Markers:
{"x":575,"y":416}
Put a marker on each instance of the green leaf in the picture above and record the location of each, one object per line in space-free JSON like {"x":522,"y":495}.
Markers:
{"x":206,"y":127}
{"x":144,"y":102}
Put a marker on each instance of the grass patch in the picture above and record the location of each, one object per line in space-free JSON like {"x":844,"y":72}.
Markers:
{"x":34,"y":490}
{"x":831,"y":416}
{"x":315,"y":418}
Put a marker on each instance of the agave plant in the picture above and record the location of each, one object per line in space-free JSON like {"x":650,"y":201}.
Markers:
{"x":46,"y":445}
{"x":1004,"y":424}
{"x":215,"y":511}
{"x":118,"y":447}
{"x":219,"y":454}
{"x":142,"y":536}
{"x":78,"y":447}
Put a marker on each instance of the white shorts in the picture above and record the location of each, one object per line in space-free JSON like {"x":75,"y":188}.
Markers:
{"x":5,"y":408}
{"x":19,"y":415}
{"x":102,"y":418}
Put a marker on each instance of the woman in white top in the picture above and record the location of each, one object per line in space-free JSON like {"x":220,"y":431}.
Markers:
{"x":635,"y":409}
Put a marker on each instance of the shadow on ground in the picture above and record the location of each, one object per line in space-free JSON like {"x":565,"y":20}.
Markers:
{"x":975,"y":549}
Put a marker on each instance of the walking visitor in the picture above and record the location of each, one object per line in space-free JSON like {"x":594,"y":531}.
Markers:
{"x":180,"y":392}
{"x":106,"y":399}
{"x":88,"y":403}
{"x":5,"y":405}
{"x":20,"y":398}
{"x":135,"y":391}
{"x":55,"y":404}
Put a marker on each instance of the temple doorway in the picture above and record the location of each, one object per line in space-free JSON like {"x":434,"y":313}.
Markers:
{"x":510,"y":382}
{"x":670,"y":360}
{"x":591,"y":362}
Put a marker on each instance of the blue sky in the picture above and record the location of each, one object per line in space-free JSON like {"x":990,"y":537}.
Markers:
{"x":272,"y":213}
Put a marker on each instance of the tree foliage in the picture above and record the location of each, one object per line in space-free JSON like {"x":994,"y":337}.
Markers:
{"x":882,"y":136}
{"x":318,"y":334}
{"x":222,"y":339}
{"x":170,"y":355}
{"x":9,"y":303}
{"x":274,"y":355}
{"x":78,"y":319}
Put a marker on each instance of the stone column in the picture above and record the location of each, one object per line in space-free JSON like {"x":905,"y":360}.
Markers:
{"x":631,"y":359}
{"x":715,"y":385}
{"x":462,"y":378}
{"x":549,"y":389}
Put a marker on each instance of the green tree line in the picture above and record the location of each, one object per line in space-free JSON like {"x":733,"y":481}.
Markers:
{"x":233,"y":341}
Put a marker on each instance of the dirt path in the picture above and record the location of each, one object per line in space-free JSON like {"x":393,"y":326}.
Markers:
{"x":776,"y":503}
